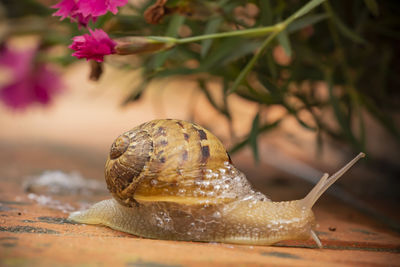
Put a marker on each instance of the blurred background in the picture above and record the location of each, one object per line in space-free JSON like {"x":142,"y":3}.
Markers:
{"x":324,"y":90}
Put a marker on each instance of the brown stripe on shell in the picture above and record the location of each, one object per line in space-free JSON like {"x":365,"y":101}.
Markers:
{"x":185,"y":148}
{"x":161,"y":131}
{"x":202,"y":134}
{"x":186,"y":136}
{"x":163,"y":142}
{"x":205,"y":153}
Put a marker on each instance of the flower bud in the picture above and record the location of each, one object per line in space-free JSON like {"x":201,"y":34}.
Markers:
{"x":139,"y":45}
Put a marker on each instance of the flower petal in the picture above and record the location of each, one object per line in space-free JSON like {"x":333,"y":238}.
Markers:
{"x":66,"y":8}
{"x":94,"y":46}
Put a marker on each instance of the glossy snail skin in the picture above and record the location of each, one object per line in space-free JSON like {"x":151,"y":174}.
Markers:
{"x":174,"y":180}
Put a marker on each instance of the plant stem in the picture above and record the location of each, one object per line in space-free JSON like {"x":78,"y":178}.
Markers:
{"x":251,"y":32}
{"x":251,"y":63}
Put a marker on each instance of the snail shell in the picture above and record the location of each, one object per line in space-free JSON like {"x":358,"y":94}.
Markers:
{"x":172,"y":161}
{"x":171,"y":179}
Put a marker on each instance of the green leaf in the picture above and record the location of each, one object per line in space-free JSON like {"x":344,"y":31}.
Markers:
{"x":253,"y":137}
{"x":245,"y":48}
{"x":238,"y":146}
{"x":262,"y":129}
{"x":304,"y":124}
{"x":347,"y":32}
{"x":211,"y":27}
{"x":216,"y":56}
{"x":174,"y":25}
{"x":372,"y":6}
{"x":172,"y":31}
{"x":342,"y":28}
{"x":268,"y":83}
{"x":203,"y":86}
{"x":174,"y":3}
{"x":242,"y":75}
{"x":269,"y":126}
{"x":306,"y":21}
{"x":343,"y":118}
{"x":266,"y":14}
{"x":252,"y":94}
{"x":136,"y":93}
{"x":284,"y":41}
{"x":272,"y":65}
{"x":304,"y":10}
{"x":228,"y":51}
{"x":160,"y":58}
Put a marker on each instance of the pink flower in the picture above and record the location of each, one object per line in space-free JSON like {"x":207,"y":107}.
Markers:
{"x":82,"y":11}
{"x":100,"y":7}
{"x":94,"y":46}
{"x":31,"y":83}
{"x":70,"y":8}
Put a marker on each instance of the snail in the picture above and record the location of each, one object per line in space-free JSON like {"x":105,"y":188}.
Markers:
{"x":174,"y":180}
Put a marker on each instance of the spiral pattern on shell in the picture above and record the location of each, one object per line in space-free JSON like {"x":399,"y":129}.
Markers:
{"x":173,"y":161}
{"x":128,"y":155}
{"x":119,"y":146}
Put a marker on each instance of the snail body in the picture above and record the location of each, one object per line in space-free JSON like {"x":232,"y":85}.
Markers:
{"x":174,"y":180}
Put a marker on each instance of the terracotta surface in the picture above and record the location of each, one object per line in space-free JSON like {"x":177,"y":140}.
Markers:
{"x":33,"y":234}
